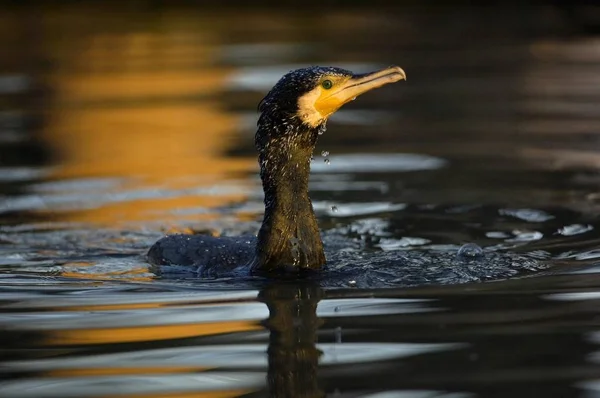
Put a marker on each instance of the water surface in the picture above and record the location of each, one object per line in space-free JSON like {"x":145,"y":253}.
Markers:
{"x":121,"y":124}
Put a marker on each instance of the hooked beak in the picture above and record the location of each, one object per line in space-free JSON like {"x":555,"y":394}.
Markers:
{"x":357,"y":85}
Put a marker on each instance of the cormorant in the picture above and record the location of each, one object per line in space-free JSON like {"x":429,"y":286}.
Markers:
{"x":292,"y":116}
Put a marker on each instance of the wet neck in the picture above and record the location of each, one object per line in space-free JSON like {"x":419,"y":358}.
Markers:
{"x":289,"y":235}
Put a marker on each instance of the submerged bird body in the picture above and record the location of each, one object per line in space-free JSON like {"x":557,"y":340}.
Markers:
{"x":292,"y":116}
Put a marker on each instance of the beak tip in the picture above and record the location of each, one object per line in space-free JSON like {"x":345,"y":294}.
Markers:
{"x":401,"y":72}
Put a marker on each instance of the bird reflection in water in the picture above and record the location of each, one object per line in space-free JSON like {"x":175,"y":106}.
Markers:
{"x":293,"y":324}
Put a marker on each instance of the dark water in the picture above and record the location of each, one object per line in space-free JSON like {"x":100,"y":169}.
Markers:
{"x":121,"y":123}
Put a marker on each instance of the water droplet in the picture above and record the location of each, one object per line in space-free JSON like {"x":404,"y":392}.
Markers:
{"x":327,"y":161}
{"x":338,"y":335}
{"x":470,"y":251}
{"x":295,"y":255}
{"x":321,"y":132}
{"x":312,"y":158}
{"x":352,"y":283}
{"x":325,"y":153}
{"x":334,"y":209}
{"x":295,"y":250}
{"x":337,"y":309}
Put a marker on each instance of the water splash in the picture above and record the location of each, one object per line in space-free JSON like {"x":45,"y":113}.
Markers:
{"x":469,"y":251}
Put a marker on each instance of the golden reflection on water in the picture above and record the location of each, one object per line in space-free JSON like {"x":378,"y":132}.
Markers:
{"x":144,"y":125}
{"x":146,"y":333}
{"x":141,"y":273}
{"x":137,"y":105}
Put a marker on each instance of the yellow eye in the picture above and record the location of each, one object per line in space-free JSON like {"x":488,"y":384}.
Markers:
{"x":327,"y":84}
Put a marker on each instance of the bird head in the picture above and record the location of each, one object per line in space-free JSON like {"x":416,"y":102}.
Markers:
{"x":315,"y":93}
